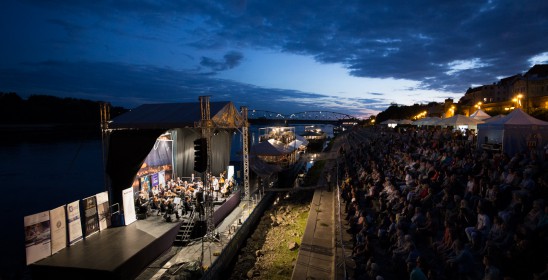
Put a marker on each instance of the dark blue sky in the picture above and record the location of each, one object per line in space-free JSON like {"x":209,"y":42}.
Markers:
{"x":353,"y":57}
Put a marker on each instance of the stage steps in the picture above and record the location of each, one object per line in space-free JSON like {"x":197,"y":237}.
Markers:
{"x":185,"y":230}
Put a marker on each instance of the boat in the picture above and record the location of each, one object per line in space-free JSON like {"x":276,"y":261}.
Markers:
{"x":316,"y":138}
{"x":278,"y":153}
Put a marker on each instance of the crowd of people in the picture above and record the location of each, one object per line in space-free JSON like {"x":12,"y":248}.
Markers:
{"x":426,"y":203}
{"x":182,"y":196}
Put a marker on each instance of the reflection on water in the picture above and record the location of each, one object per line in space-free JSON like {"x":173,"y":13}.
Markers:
{"x":39,"y":176}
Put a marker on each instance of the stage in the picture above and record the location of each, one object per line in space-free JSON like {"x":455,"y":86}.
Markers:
{"x":122,"y":252}
{"x":115,"y":253}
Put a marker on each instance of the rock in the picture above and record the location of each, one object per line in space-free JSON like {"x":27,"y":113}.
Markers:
{"x":292,"y":245}
{"x":258,"y":253}
{"x":250,"y":273}
{"x":274,"y":224}
{"x":279,"y":219}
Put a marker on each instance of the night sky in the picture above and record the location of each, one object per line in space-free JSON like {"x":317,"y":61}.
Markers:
{"x":353,"y":57}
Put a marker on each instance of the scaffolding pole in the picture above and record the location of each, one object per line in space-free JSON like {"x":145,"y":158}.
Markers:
{"x":245,"y":140}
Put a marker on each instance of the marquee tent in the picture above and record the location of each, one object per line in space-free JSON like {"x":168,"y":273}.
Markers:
{"x":516,"y":132}
{"x":405,"y":122}
{"x":480,"y":115}
{"x":426,"y":121}
{"x":492,"y":119}
{"x":133,"y":135}
{"x":389,"y":122}
{"x":460,"y":121}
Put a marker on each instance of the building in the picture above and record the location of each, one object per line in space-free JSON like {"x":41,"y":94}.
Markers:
{"x":527,"y":91}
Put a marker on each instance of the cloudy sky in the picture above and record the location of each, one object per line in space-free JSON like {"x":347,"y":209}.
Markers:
{"x":287,"y":56}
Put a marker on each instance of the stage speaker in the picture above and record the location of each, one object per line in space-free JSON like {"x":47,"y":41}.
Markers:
{"x":199,"y":230}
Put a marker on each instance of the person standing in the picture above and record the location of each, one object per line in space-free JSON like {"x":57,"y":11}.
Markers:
{"x":216,"y":188}
{"x":328,"y":180}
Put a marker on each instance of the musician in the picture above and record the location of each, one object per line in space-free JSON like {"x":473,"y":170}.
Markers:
{"x":186,"y":206}
{"x":142,"y":204}
{"x":156,"y":202}
{"x":171,"y":209}
{"x":199,"y":196}
{"x":222,"y":178}
{"x":215,"y":186}
{"x":169,"y":193}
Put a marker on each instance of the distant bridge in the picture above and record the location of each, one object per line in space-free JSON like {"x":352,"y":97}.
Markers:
{"x":327,"y":117}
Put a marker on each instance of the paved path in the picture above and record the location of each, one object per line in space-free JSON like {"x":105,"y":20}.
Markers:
{"x":318,"y":256}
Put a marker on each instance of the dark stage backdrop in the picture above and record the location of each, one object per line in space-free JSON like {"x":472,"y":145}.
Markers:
{"x":184,"y":151}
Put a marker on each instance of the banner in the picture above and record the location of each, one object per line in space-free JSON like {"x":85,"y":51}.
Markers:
{"x":155,"y":179}
{"x":91,"y":219}
{"x":74,"y":223}
{"x":162,"y":178}
{"x":129,"y":206}
{"x":103,"y":210}
{"x":37,"y":236}
{"x":145,"y":183}
{"x":58,"y":229}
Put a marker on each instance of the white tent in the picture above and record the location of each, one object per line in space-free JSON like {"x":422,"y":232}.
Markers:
{"x":426,"y":121}
{"x":516,"y":132}
{"x":460,"y":121}
{"x":479,"y":115}
{"x":390,"y":123}
{"x":405,"y":122}
{"x":492,"y":119}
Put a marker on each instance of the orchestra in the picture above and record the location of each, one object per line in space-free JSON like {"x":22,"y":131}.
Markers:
{"x":184,"y":195}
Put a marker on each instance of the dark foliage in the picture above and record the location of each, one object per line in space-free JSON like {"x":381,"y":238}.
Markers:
{"x":44,"y":109}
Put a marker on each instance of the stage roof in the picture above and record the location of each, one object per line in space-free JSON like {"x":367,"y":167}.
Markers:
{"x":177,"y":115}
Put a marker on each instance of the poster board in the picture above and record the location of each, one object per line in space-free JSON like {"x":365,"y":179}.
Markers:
{"x":129,"y":206}
{"x":103,"y":210}
{"x":37,"y":236}
{"x":74,"y":222}
{"x":91,"y":219}
{"x":58,"y":218}
{"x":230,"y":174}
{"x":162,"y":178}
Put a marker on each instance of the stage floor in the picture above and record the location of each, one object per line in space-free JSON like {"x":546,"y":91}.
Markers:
{"x":115,"y":253}
{"x":121,"y":252}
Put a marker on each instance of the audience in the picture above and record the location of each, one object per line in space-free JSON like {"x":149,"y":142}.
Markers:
{"x":426,"y":203}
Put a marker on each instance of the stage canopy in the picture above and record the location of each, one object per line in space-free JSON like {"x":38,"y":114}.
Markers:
{"x":133,"y":135}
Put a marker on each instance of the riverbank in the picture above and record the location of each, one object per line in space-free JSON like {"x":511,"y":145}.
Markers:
{"x":271,"y":251}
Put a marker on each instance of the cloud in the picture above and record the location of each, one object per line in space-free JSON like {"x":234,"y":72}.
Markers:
{"x":230,"y":60}
{"x":445,"y":46}
{"x":133,"y":85}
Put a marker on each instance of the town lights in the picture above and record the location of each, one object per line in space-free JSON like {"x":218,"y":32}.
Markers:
{"x":517,"y":100}
{"x":478,"y":105}
{"x":452,"y":111}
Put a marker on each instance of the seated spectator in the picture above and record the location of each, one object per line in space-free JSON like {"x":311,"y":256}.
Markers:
{"x":479,"y":232}
{"x":462,"y":263}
